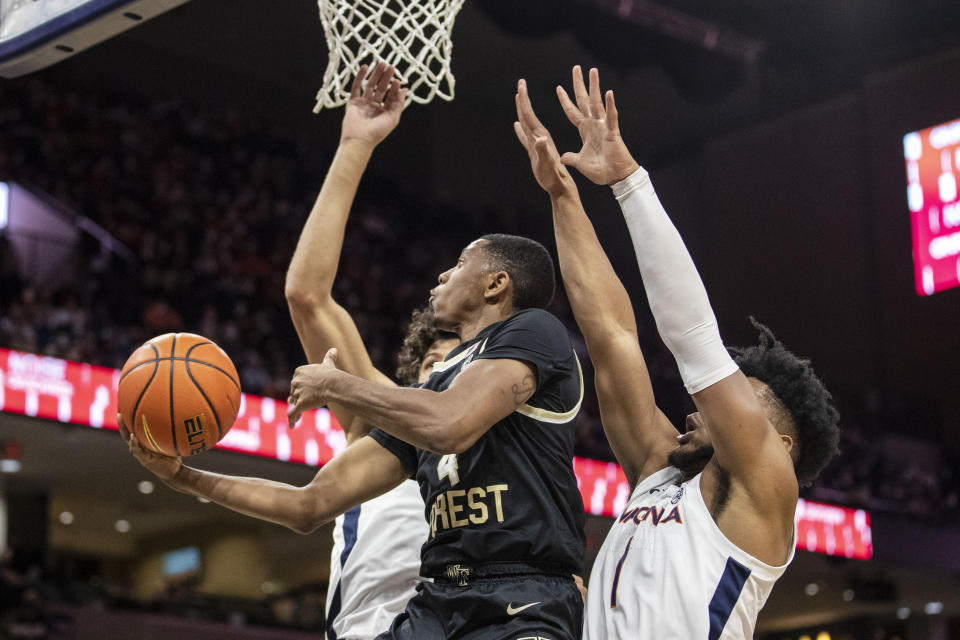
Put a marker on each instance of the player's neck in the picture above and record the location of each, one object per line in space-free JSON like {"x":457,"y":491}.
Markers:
{"x":485,"y":316}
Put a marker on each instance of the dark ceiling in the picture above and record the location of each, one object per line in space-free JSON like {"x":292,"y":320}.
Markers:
{"x":729,"y":63}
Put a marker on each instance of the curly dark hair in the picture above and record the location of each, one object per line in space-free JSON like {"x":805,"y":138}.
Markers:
{"x":422,"y":332}
{"x":794,"y":383}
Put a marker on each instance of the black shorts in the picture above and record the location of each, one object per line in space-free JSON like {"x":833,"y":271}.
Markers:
{"x":531,"y":607}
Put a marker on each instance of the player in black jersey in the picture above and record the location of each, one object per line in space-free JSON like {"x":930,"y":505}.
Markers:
{"x":490,"y":441}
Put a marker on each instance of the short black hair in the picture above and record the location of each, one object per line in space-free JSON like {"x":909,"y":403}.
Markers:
{"x":804,"y":395}
{"x":529,"y":265}
{"x":422,"y":332}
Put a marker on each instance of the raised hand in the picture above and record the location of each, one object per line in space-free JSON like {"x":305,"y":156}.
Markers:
{"x":307,"y":388}
{"x":374,"y":107}
{"x":551,"y":175}
{"x":164,"y":467}
{"x":604,"y":158}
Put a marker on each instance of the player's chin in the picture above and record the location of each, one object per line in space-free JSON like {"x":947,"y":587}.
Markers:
{"x":691,"y":456}
{"x":440,"y":316}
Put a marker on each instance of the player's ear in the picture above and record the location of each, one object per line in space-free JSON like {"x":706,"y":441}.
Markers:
{"x":787,"y":443}
{"x":498,"y":284}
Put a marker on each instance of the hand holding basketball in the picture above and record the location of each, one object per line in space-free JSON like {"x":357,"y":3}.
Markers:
{"x":164,"y":467}
{"x":374,"y":108}
{"x":178,"y":394}
{"x":604,"y":158}
{"x":308,"y":386}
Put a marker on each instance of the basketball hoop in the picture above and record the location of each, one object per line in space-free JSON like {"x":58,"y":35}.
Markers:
{"x":412,"y":35}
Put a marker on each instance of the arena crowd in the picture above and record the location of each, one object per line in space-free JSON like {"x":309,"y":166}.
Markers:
{"x":210,"y":204}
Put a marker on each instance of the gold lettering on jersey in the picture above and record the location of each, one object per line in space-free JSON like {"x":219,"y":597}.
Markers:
{"x":496,"y":489}
{"x":481,"y":514}
{"x":459,"y":507}
{"x":440,"y":509}
{"x":455,"y":508}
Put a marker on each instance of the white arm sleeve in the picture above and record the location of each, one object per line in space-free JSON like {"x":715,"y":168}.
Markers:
{"x":676,"y":294}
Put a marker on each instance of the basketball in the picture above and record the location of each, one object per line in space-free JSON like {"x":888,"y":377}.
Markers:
{"x":179,"y":394}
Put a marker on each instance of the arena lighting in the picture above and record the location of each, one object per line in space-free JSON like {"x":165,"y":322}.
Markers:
{"x":4,"y":205}
{"x":84,"y":394}
{"x":145,"y":487}
{"x":66,"y":517}
{"x":932,"y":156}
{"x":10,"y":456}
{"x":812,"y":589}
{"x":903,"y":613}
{"x":933,"y":608}
{"x":122,"y":526}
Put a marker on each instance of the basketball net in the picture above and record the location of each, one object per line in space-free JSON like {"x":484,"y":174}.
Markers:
{"x":412,"y":35}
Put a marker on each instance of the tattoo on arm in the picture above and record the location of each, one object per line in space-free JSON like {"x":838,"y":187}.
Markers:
{"x":524,"y":389}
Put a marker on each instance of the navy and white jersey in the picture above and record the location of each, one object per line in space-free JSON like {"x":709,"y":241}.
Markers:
{"x":375,"y":569}
{"x":512,"y":497}
{"x":666,"y":570}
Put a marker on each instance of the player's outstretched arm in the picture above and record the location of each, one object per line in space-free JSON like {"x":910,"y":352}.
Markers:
{"x":445,"y":422}
{"x":362,"y":472}
{"x":742,"y":436}
{"x":372,"y":112}
{"x":639,"y":434}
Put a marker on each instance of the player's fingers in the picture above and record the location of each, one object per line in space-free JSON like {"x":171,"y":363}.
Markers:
{"x":356,"y":89}
{"x":521,"y":136}
{"x":374,"y":79}
{"x":613,"y":123}
{"x":580,"y":91}
{"x":525,"y":109}
{"x":542,"y":146}
{"x":570,"y":159}
{"x":596,"y":99}
{"x":383,"y":85}
{"x":293,"y":415}
{"x":573,"y":113}
{"x":124,"y":432}
{"x":395,"y":95}
{"x":526,"y":137}
{"x":331,"y":356}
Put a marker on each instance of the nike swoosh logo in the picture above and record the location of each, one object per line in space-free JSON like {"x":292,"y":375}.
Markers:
{"x":511,"y":611}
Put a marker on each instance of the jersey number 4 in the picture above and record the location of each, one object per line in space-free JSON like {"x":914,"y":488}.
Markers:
{"x":447,"y":468}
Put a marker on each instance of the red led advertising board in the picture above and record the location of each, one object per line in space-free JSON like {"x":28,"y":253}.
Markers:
{"x":84,"y":394}
{"x":933,"y":170}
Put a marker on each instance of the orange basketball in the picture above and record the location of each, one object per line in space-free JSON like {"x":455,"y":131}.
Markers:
{"x":179,"y":393}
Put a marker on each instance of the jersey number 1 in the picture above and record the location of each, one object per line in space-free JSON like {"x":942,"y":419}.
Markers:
{"x":616,"y":575}
{"x":447,"y":468}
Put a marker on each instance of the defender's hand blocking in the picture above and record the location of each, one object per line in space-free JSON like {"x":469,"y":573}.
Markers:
{"x":374,"y":108}
{"x":164,"y":467}
{"x":604,"y":158}
{"x":308,"y":386}
{"x":544,"y":158}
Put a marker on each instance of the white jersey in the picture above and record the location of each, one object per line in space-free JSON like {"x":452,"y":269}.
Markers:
{"x":666,"y":571}
{"x":375,"y":563}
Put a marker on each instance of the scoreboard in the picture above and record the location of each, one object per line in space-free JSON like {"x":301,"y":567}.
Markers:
{"x":933,"y":170}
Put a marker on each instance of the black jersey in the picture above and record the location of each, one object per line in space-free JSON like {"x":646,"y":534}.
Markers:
{"x":512,"y":497}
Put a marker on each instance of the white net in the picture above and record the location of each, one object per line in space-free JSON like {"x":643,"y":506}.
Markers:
{"x":412,"y":35}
